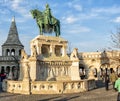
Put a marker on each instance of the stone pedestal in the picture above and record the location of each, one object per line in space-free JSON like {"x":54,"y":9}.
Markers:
{"x":26,"y":87}
{"x":33,"y":70}
{"x":74,"y":71}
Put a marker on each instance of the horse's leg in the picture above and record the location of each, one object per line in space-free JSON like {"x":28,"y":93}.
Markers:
{"x":57,"y":30}
{"x":41,"y":28}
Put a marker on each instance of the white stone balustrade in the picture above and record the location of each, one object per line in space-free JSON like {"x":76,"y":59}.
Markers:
{"x":49,"y":87}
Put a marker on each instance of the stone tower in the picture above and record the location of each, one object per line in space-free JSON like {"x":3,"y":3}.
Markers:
{"x":11,"y":53}
{"x":12,"y":46}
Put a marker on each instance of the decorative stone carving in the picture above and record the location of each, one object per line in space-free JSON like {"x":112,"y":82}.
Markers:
{"x":34,"y":51}
{"x":74,"y":54}
{"x":26,"y":72}
{"x":23,"y":54}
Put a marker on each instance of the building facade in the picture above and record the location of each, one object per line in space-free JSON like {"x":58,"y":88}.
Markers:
{"x":99,"y":63}
{"x":11,"y":52}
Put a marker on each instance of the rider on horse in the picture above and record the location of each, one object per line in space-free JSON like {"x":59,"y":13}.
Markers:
{"x":47,"y":15}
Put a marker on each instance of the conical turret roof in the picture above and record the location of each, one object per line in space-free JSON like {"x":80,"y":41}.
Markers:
{"x":13,"y":38}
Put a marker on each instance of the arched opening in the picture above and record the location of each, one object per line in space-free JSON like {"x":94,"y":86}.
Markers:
{"x":2,"y":70}
{"x":111,"y":69}
{"x":82,"y":71}
{"x":13,"y":52}
{"x":45,"y":50}
{"x":118,"y":70}
{"x":58,"y":50}
{"x":95,"y":72}
{"x":14,"y":72}
{"x":19,"y":52}
{"x":3,"y":75}
{"x":7,"y":52}
{"x":104,"y":70}
{"x":7,"y":71}
{"x":92,"y":72}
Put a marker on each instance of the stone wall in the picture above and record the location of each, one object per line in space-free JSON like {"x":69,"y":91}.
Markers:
{"x":48,"y":87}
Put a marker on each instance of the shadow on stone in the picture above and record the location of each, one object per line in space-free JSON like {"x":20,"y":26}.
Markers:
{"x":8,"y":95}
{"x":100,"y":84}
{"x":47,"y":99}
{"x":66,"y":99}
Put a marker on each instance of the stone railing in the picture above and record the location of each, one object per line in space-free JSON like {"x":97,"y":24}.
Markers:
{"x":48,"y":87}
{"x":91,"y":84}
{"x":9,"y":58}
{"x":12,"y":86}
{"x":59,"y":87}
{"x":110,"y":54}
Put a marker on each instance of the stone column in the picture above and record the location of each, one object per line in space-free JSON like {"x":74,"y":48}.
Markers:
{"x":26,"y":72}
{"x":64,"y":50}
{"x":10,"y":76}
{"x":33,"y":68}
{"x":38,"y":46}
{"x":26,"y":80}
{"x":52,"y":50}
{"x":74,"y":70}
{"x":21,"y":71}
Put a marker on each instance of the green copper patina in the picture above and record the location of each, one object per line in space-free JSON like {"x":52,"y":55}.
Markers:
{"x":46,"y":22}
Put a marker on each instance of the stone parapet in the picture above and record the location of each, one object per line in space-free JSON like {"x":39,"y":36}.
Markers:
{"x":48,"y":87}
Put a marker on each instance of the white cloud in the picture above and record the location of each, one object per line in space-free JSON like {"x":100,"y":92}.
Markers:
{"x":75,"y":29}
{"x":74,"y":5}
{"x":78,"y":7}
{"x":20,"y":7}
{"x":16,"y":3}
{"x":70,"y":19}
{"x":117,"y":19}
{"x":109,"y":10}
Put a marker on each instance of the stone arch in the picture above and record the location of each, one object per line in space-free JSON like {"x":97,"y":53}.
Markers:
{"x":118,"y":69}
{"x":82,"y":71}
{"x":20,"y":52}
{"x":14,"y":72}
{"x":7,"y":52}
{"x":13,"y":52}
{"x":45,"y":50}
{"x":7,"y":71}
{"x":105,"y":68}
{"x":2,"y":70}
{"x":58,"y":50}
{"x":93,"y":71}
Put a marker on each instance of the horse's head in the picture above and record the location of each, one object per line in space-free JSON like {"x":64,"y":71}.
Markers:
{"x":34,"y":13}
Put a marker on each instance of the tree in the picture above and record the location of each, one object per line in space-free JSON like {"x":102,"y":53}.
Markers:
{"x":116,"y":38}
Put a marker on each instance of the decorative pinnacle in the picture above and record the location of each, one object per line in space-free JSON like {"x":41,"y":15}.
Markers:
{"x":13,"y":19}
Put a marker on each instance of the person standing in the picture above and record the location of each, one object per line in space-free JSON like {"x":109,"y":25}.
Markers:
{"x":113,"y":78}
{"x":117,"y":87}
{"x":106,"y":82}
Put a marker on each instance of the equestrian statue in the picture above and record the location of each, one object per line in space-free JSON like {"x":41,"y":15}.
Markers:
{"x":46,"y":22}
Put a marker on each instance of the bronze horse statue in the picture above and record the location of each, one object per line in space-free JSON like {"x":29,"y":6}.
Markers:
{"x":46,"y":22}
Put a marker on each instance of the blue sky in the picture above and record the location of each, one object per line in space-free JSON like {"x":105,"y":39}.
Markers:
{"x":86,"y":24}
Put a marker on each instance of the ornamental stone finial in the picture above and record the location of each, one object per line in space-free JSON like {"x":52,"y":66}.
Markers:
{"x":13,"y":19}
